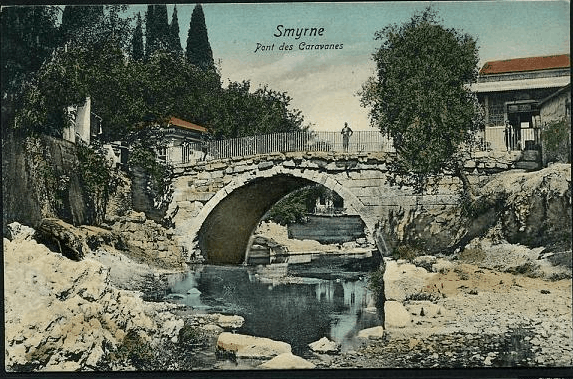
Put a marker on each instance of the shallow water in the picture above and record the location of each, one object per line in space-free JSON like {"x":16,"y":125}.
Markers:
{"x":297,"y":304}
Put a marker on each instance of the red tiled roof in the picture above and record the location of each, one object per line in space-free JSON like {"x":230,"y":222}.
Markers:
{"x":526,"y":64}
{"x":186,"y":124}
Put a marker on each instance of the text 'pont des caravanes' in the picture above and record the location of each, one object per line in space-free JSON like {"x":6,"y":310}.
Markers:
{"x":297,"y":34}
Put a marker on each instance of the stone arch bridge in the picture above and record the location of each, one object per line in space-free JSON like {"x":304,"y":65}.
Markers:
{"x":216,"y":205}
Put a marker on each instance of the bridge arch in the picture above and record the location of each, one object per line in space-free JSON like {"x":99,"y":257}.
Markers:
{"x":224,"y":225}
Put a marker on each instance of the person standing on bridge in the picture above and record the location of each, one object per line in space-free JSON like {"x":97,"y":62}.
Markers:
{"x":205,"y":145}
{"x":346,"y":133}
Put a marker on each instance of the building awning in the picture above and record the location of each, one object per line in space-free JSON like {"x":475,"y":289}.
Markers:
{"x":521,"y":84}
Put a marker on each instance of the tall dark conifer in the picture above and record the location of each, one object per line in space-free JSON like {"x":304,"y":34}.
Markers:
{"x":161,"y":20}
{"x":79,"y":21}
{"x":137,"y":51}
{"x":150,"y":33}
{"x":198,"y":50}
{"x":174,"y":40}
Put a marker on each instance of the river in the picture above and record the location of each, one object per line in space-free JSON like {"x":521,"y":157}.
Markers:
{"x":294,"y":303}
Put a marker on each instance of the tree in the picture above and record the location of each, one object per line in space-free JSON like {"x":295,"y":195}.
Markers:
{"x":174,"y":40}
{"x":240,"y":112}
{"x":92,"y":64}
{"x":198,"y":50}
{"x":162,"y":26}
{"x":80,"y":22}
{"x":137,"y":50}
{"x":29,"y":35}
{"x":157,"y":29}
{"x":420,"y":95}
{"x":295,"y":206}
{"x":150,"y":34}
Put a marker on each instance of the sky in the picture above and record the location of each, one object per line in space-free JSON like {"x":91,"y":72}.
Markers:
{"x":324,"y":83}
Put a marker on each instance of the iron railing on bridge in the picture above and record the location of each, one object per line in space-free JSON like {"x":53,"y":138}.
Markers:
{"x":360,"y":141}
{"x":492,"y":138}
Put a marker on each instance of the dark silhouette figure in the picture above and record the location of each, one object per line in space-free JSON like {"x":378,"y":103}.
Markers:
{"x":346,"y":133}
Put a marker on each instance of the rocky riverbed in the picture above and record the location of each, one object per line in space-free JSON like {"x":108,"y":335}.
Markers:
{"x":487,"y":319}
{"x":468,"y":310}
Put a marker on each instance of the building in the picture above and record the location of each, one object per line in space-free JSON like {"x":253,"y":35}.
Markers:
{"x":183,"y":141}
{"x":521,"y":95}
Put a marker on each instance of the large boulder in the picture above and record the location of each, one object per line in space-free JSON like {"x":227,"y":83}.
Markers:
{"x":17,"y":231}
{"x":287,"y":361}
{"x":396,"y":315}
{"x":65,"y":238}
{"x":537,"y":209}
{"x":324,"y":346}
{"x":230,"y":321}
{"x":250,"y":347}
{"x":376,"y":332}
{"x":402,"y":280}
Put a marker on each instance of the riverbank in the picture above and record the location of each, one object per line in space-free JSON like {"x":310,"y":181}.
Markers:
{"x":473,"y":309}
{"x":488,"y":319}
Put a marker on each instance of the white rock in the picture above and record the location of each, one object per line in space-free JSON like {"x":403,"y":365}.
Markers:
{"x":287,"y":361}
{"x":233,"y":322}
{"x":244,"y":346}
{"x":403,"y":279}
{"x":376,"y":332}
{"x":395,"y":315}
{"x":18,"y":231}
{"x":324,"y":346}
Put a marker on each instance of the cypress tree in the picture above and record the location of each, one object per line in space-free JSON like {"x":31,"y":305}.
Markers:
{"x":175,"y":42}
{"x":77,"y":20}
{"x":161,"y":21}
{"x":150,"y":33}
{"x":137,"y":51}
{"x":199,"y":50}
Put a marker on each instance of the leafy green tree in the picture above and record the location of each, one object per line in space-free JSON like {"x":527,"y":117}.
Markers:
{"x":241,"y":112}
{"x":91,"y":64}
{"x":198,"y":50}
{"x":137,"y":49}
{"x":174,"y":40}
{"x":28,"y":36}
{"x":420,"y":94}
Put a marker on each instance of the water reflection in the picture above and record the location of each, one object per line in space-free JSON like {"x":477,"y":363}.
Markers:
{"x":295,"y":309}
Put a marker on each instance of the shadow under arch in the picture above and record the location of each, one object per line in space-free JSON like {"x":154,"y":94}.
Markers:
{"x":234,"y":213}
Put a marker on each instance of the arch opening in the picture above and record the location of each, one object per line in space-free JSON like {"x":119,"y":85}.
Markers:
{"x":224,"y":235}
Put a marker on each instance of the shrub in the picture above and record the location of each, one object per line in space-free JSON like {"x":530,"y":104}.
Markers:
{"x":192,"y":335}
{"x":134,"y":349}
{"x":424,"y":296}
{"x":555,"y":138}
{"x":407,"y":252}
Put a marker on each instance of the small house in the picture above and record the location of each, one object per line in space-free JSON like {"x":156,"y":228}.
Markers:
{"x":183,"y":141}
{"x":516,"y":95}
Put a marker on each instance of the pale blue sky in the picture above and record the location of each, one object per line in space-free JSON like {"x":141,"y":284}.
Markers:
{"x":323,"y":84}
